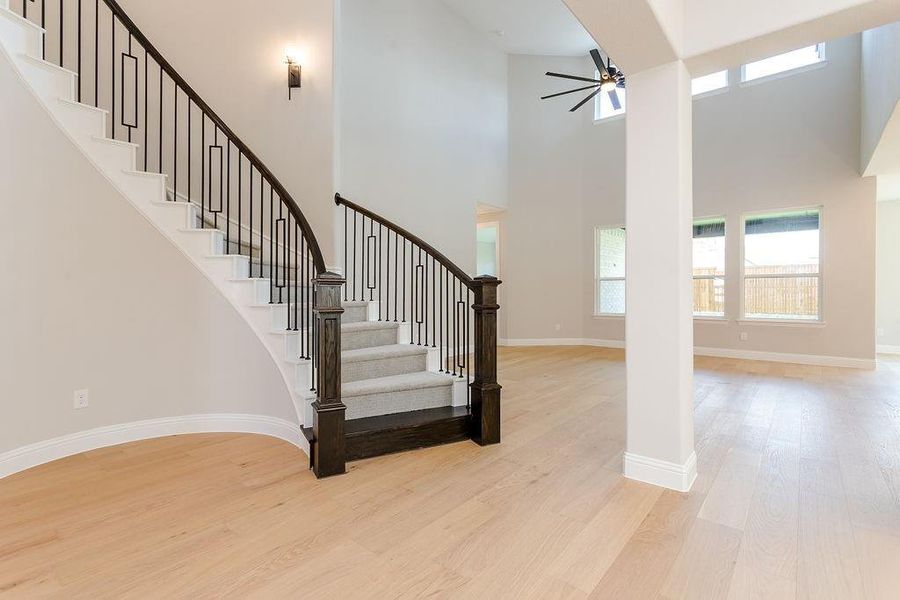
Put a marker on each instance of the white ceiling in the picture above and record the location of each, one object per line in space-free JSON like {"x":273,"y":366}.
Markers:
{"x":527,"y":26}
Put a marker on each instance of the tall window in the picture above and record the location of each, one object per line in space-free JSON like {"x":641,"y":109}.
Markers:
{"x":709,"y":267}
{"x":782,"y":277}
{"x":783,"y":62}
{"x":609,"y":271}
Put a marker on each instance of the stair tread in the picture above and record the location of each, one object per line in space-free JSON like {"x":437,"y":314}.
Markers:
{"x":379,"y":352}
{"x":395,"y":383}
{"x":368,"y":326}
{"x":367,"y":425}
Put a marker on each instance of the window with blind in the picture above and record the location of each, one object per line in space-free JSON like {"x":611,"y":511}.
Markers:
{"x":609,"y":271}
{"x":782,"y":276}
{"x":709,"y":267}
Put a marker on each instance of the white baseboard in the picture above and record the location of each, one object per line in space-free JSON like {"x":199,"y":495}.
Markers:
{"x":783,"y":357}
{"x":886,"y":349}
{"x":780,"y":357}
{"x":662,"y":473}
{"x":39,"y":453}
{"x":561,"y":342}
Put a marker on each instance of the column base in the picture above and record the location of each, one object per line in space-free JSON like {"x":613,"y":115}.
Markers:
{"x":662,"y":473}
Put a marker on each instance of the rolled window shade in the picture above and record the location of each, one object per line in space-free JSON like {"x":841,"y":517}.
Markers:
{"x":806,"y":220}
{"x":709,"y":229}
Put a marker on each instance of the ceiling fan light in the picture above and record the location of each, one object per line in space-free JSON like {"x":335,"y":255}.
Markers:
{"x":608,"y":85}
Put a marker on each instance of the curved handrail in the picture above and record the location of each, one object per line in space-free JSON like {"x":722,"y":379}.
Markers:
{"x":283,"y":194}
{"x":428,"y":248}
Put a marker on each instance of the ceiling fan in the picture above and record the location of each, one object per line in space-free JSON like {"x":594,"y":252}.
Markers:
{"x":610,"y":79}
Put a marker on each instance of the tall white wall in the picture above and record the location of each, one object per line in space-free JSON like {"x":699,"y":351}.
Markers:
{"x":423,"y":119}
{"x":94,"y":297}
{"x":880,"y":87}
{"x":888,"y":275}
{"x":232,"y":53}
{"x":788,"y":142}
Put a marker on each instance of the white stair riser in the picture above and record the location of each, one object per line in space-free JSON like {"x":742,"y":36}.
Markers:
{"x":355,"y":314}
{"x":201,"y":242}
{"x":223,"y":268}
{"x":121,"y":156}
{"x":51,"y":83}
{"x":172,"y":216}
{"x":20,"y":38}
{"x":82,"y":122}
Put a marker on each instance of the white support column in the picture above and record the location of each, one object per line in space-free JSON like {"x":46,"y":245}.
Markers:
{"x":659,"y":323}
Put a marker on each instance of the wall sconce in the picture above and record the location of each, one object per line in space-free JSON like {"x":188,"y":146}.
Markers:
{"x":292,"y":58}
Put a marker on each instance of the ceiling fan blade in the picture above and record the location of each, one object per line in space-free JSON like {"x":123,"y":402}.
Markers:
{"x":581,"y":89}
{"x":621,"y":84}
{"x":598,"y":60}
{"x":576,"y":78}
{"x":582,"y":103}
{"x":614,"y":98}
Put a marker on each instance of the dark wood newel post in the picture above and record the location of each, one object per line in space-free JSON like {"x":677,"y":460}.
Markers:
{"x":328,"y":410}
{"x":485,"y":389}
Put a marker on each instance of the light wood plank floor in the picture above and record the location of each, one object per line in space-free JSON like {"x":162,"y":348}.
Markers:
{"x":798,"y":497}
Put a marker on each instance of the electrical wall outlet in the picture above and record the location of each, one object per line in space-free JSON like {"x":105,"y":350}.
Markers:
{"x":80,"y":399}
{"x":744,"y":336}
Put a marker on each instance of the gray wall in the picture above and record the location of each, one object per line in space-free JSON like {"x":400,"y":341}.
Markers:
{"x":787,"y":142}
{"x":423,"y":122}
{"x":888,"y":275}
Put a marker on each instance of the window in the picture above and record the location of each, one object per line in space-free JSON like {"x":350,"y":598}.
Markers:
{"x":709,"y":83}
{"x":783,"y":62}
{"x":609,"y":271}
{"x":487,"y":249}
{"x":709,"y":267}
{"x":603,"y":106}
{"x":781,"y":265}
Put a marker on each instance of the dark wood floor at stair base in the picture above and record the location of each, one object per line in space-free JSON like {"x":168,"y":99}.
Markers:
{"x":386,"y":434}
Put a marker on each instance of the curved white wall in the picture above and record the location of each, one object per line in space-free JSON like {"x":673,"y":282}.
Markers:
{"x":94,"y":297}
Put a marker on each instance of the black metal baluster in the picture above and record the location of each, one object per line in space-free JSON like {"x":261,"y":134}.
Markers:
{"x":228,"y":203}
{"x":262,"y":223}
{"x":455,"y":327}
{"x":240,"y":198}
{"x":175,"y":144}
{"x":161,"y":119}
{"x":396,"y":271}
{"x":362,"y":259}
{"x":403,"y":285}
{"x":272,"y":263}
{"x":387,"y":284}
{"x":79,"y":51}
{"x":345,"y":252}
{"x":62,"y":29}
{"x":440,"y":317}
{"x":378,"y":275}
{"x":24,"y":9}
{"x":296,"y":280}
{"x":468,"y":380}
{"x":434,"y":316}
{"x":447,"y":318}
{"x":97,"y":53}
{"x":122,"y":95}
{"x":250,"y":235}
{"x":146,"y":123}
{"x":43,"y":24}
{"x":202,"y":169}
{"x":353,"y":279}
{"x":112,"y":65}
{"x":190,"y":149}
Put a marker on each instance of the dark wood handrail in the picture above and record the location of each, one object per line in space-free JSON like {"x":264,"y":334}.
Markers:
{"x":416,"y":240}
{"x":292,"y":206}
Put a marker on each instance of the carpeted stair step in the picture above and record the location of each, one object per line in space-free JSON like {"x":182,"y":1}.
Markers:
{"x":382,"y":361}
{"x":396,"y":394}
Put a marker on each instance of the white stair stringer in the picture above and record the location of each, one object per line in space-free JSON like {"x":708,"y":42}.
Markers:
{"x":85,"y":126}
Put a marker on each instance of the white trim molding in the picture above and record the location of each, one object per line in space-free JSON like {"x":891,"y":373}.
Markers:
{"x":562,"y":342}
{"x":784,"y":357}
{"x":887,"y":349}
{"x":779,"y":357}
{"x":46,"y":451}
{"x":659,"y":472}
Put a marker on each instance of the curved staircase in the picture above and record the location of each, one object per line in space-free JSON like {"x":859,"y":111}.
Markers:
{"x":243,"y":231}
